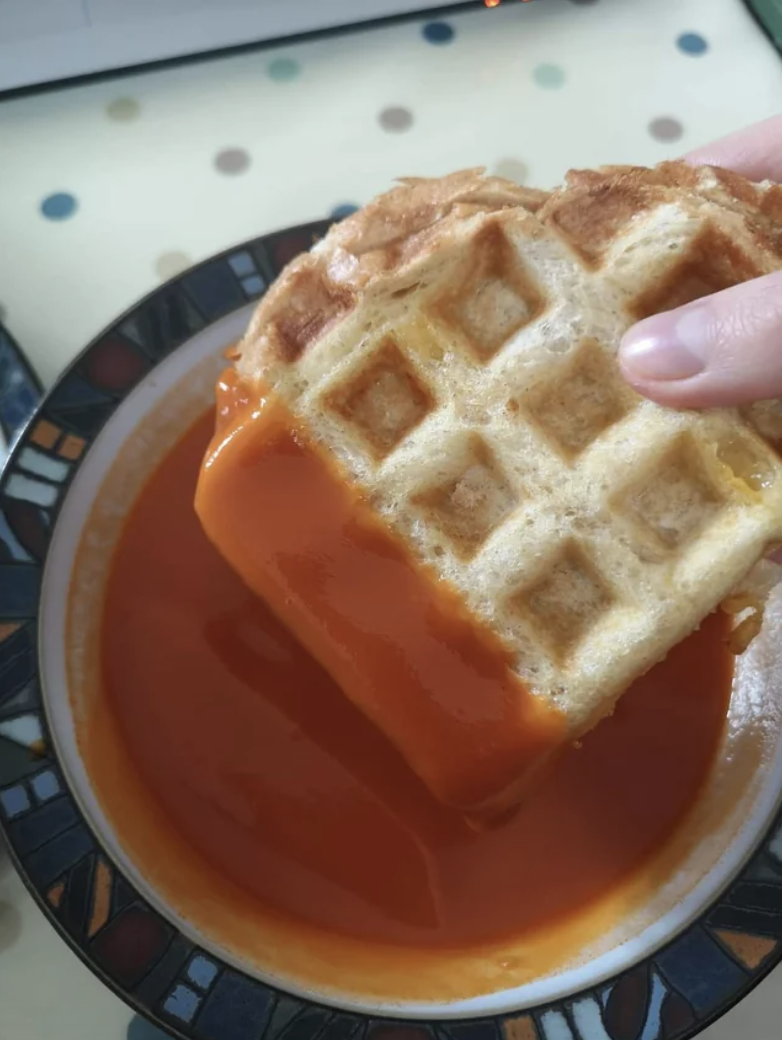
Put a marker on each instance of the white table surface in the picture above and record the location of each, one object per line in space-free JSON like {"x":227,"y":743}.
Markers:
{"x":153,"y":171}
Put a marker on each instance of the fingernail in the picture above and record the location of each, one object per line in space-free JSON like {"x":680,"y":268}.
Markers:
{"x":668,"y":346}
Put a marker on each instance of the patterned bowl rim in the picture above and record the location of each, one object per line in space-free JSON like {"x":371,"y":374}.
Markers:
{"x":671,"y":995}
{"x":11,"y":432}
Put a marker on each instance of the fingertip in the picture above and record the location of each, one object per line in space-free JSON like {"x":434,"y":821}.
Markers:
{"x":660,"y":349}
{"x":752,"y":151}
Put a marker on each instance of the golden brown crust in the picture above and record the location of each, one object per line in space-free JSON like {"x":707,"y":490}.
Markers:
{"x":601,"y":202}
{"x":380,"y":239}
{"x":590,"y":213}
{"x":387,"y":223}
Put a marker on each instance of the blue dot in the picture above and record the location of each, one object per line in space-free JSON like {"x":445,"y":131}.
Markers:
{"x":438,"y":32}
{"x":550,"y":77}
{"x":59,"y":206}
{"x":344,"y":209}
{"x":692,"y":43}
{"x":283,"y":69}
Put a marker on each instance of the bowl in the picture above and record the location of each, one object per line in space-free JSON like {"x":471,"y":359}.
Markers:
{"x":686,"y":947}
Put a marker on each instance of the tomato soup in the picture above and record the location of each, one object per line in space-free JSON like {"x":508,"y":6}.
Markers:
{"x":275,"y":781}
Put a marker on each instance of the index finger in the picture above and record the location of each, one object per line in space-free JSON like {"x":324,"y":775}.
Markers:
{"x":755,"y":152}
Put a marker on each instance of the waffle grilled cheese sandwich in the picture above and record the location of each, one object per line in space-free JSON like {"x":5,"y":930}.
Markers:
{"x":442,"y":366}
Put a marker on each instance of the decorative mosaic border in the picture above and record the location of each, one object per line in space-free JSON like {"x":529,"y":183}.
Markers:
{"x":20,"y":391}
{"x":139,"y":954}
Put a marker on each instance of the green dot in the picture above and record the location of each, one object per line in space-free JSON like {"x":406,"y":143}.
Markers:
{"x":549,"y":76}
{"x":123,"y":110}
{"x":283,"y":69}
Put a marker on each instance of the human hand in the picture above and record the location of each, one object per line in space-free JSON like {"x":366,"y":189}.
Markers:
{"x":725,"y":349}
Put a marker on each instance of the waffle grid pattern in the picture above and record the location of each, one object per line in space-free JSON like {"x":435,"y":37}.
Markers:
{"x":472,"y":391}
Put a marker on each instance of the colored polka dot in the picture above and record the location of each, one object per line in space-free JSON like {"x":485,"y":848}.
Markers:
{"x":512,"y":169}
{"x":283,"y":69}
{"x":692,"y":43}
{"x":438,"y":32}
{"x":59,"y":206}
{"x":344,"y":209}
{"x":549,"y":76}
{"x":169,"y":265}
{"x":232,"y":160}
{"x":123,"y":110}
{"x":396,"y":119}
{"x":666,"y":129}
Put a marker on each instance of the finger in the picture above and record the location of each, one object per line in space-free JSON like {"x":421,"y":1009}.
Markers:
{"x":755,"y":152}
{"x":724,"y":349}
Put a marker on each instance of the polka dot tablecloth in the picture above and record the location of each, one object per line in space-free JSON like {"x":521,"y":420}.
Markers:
{"x":109,"y":188}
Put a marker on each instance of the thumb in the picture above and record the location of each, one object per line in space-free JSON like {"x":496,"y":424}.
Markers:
{"x":724,"y":349}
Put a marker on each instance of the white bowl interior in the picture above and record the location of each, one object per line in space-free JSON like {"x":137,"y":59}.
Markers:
{"x":730,"y":818}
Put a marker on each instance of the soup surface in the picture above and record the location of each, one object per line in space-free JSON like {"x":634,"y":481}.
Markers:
{"x":262,"y":768}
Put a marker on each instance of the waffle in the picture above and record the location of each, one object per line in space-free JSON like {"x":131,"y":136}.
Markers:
{"x":454,"y":345}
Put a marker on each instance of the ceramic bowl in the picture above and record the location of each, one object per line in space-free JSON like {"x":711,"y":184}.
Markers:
{"x":696,"y":944}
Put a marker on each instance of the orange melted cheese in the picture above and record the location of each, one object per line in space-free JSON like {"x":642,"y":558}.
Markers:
{"x":398,"y":642}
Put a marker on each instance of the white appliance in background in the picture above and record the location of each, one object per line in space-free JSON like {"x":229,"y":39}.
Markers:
{"x":42,"y":41}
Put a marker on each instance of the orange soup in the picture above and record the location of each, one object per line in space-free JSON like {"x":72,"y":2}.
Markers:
{"x":266,"y":771}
